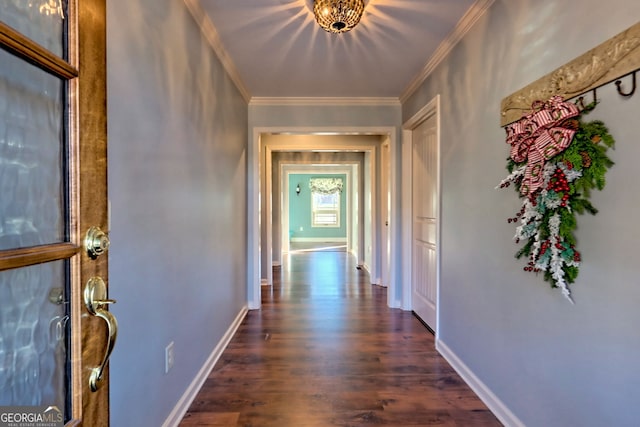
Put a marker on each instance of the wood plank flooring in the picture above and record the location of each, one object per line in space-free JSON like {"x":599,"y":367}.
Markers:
{"x":325,"y":350}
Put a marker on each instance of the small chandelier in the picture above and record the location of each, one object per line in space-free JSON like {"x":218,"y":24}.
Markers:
{"x":338,"y":16}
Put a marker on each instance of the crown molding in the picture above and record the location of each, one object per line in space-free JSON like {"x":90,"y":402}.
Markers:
{"x":462,"y":27}
{"x":323,"y":101}
{"x":211,"y":35}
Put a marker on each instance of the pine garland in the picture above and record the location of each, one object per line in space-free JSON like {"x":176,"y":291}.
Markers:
{"x":548,"y":217}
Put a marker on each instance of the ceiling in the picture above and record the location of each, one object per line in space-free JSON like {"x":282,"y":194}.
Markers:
{"x":274,"y":48}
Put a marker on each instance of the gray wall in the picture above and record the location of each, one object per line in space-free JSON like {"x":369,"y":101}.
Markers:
{"x":551,"y":363}
{"x":323,"y":115}
{"x":177,"y":184}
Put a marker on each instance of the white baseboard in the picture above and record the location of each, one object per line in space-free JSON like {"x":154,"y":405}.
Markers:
{"x":364,"y":267}
{"x":395,"y":303}
{"x":499,"y":409}
{"x":181,"y":408}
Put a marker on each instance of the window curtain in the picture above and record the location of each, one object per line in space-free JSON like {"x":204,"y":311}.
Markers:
{"x":325,"y":185}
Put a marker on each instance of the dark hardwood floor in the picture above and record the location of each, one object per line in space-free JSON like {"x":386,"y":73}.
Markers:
{"x":325,"y":350}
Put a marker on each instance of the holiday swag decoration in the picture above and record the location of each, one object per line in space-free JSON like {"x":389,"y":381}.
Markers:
{"x":556,"y":160}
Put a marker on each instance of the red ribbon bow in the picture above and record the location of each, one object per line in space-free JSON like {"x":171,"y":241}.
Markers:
{"x":539,"y":136}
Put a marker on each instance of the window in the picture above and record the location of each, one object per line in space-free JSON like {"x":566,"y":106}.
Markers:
{"x":325,"y":201}
{"x":325,"y":210}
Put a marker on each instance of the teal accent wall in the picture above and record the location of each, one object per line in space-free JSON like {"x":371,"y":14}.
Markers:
{"x":300,"y":209}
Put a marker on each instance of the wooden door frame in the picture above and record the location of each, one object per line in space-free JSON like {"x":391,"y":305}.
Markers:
{"x":91,"y":97}
{"x":431,"y":108}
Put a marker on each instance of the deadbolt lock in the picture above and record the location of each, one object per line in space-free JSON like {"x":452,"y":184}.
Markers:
{"x":96,"y":242}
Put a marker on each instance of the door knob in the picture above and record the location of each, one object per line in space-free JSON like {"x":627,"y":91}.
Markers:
{"x":95,"y":298}
{"x":96,"y":242}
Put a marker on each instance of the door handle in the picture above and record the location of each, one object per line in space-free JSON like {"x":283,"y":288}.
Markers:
{"x":95,"y":298}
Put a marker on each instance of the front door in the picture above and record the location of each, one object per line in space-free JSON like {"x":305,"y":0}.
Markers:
{"x":55,"y":328}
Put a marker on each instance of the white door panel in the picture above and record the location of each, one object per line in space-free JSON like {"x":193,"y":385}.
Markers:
{"x":425,"y":152}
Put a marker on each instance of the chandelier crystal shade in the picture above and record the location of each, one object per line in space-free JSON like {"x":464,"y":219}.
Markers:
{"x":338,"y":16}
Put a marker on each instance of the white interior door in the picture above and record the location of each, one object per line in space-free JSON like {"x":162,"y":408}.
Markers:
{"x":385,"y":203}
{"x":425,"y":199}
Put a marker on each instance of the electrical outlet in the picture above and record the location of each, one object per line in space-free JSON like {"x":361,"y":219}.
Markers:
{"x":168,"y":357}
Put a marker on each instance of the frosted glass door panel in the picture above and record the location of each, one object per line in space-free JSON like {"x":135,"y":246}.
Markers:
{"x":40,"y":20}
{"x":33,"y":336}
{"x":32,"y":178}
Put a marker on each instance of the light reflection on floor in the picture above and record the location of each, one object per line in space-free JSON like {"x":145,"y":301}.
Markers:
{"x":325,"y":282}
{"x":322,"y":248}
{"x":325,"y":271}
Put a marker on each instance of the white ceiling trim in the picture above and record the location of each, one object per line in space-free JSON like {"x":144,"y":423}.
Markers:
{"x":300,"y":101}
{"x":316,"y":168}
{"x":464,"y":25}
{"x":211,"y":35}
{"x":322,"y":130}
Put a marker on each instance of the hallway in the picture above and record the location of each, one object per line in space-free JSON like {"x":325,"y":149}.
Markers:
{"x":325,"y":350}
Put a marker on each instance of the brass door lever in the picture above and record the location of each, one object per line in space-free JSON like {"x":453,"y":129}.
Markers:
{"x":95,"y":298}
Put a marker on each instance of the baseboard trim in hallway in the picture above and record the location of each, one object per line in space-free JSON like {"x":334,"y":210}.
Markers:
{"x":495,"y":405}
{"x":174,"y":418}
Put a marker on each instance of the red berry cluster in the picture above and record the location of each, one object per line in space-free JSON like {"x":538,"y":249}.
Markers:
{"x":518,"y":215}
{"x":576,"y":255}
{"x":544,"y":246}
{"x":531,"y":267}
{"x":547,"y":244}
{"x":559,"y":184}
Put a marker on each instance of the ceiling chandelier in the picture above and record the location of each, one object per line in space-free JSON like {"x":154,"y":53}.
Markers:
{"x":338,"y":16}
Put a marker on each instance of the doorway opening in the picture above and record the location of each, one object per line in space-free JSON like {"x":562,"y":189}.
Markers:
{"x":308,"y":219}
{"x":357,"y":153}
